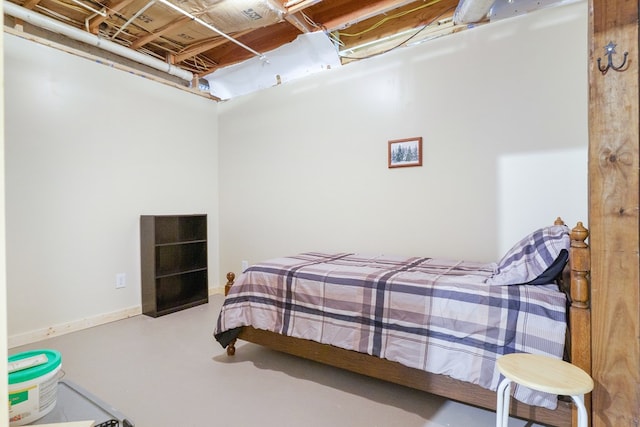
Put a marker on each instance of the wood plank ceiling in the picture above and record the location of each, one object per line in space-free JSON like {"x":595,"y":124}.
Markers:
{"x":191,"y":40}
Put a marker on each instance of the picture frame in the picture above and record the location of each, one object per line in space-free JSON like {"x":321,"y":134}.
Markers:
{"x":405,"y":152}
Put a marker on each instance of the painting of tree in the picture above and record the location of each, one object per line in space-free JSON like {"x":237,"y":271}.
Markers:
{"x":405,"y":152}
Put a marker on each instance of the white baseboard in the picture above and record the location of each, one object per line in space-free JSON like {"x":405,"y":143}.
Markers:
{"x":75,"y":325}
{"x":216,"y":291}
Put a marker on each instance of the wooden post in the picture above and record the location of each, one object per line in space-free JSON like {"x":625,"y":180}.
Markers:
{"x":613,"y":212}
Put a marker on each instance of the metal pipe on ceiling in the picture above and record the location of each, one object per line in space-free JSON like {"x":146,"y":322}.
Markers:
{"x":46,"y":23}
{"x":133,"y":18}
{"x":99,"y":12}
{"x":210,"y":27}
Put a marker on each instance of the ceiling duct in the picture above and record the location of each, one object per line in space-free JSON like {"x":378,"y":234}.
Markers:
{"x":308,"y":54}
{"x":471,"y":11}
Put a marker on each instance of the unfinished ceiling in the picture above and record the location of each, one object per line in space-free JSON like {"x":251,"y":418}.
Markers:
{"x":195,"y":38}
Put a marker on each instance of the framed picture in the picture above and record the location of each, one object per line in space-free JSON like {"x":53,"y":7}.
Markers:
{"x":405,"y":152}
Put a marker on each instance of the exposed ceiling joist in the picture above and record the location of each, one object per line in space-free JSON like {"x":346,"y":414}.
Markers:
{"x":207,"y":45}
{"x":95,"y":21}
{"x":370,"y":10}
{"x":186,"y":35}
{"x":141,"y":41}
{"x":30,"y":4}
{"x":297,"y":6}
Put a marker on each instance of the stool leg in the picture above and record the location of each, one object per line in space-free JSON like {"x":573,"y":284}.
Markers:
{"x":583,"y":418}
{"x":504,"y":399}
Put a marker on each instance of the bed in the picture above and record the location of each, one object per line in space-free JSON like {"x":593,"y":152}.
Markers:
{"x":430,"y":324}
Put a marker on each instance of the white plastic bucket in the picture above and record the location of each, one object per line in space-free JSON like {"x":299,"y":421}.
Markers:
{"x":33,"y":391}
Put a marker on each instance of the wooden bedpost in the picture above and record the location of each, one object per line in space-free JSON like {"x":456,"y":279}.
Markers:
{"x":230,"y":278}
{"x":231,"y":348}
{"x":579,"y":312}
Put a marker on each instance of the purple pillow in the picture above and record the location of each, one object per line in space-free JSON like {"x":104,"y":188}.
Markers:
{"x":531,"y":256}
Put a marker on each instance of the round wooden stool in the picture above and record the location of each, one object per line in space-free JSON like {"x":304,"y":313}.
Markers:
{"x":541,"y":373}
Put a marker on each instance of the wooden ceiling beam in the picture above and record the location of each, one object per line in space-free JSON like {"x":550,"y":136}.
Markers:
{"x":264,"y":39}
{"x":366,"y":12}
{"x":361,"y":35}
{"x":94,"y":23}
{"x":205,"y":46}
{"x":292,"y":15}
{"x":300,"y":6}
{"x":30,"y":4}
{"x":141,"y":41}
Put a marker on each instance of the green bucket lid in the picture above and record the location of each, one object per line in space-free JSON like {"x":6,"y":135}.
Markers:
{"x":54,"y":359}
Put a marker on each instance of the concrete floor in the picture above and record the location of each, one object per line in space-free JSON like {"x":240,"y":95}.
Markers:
{"x":170,"y":372}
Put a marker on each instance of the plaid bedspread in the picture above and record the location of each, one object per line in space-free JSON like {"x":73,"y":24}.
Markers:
{"x":429,"y":314}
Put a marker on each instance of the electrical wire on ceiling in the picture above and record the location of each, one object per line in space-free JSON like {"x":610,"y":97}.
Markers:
{"x":434,"y":21}
{"x":81,"y":7}
{"x":334,"y":39}
{"x":387,"y":19}
{"x":310,"y":21}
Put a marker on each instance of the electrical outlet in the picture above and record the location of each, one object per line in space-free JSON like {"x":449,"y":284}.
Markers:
{"x":121,"y":280}
{"x":245,"y":265}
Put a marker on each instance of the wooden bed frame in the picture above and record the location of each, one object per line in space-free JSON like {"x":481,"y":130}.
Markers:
{"x":575,"y":282}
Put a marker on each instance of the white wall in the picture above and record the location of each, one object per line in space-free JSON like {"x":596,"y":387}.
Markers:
{"x":301,"y":167}
{"x":503,"y":112}
{"x":4,"y":387}
{"x":88,"y":150}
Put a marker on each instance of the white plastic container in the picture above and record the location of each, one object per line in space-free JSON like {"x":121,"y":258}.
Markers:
{"x":33,"y":390}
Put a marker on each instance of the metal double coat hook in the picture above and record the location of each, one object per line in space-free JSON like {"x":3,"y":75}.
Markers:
{"x":610,"y":49}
